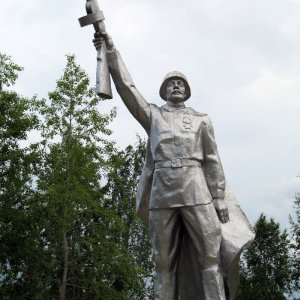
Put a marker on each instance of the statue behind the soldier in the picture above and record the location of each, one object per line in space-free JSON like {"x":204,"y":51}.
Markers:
{"x":182,"y":187}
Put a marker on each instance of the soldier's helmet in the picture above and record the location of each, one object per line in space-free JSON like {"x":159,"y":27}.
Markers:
{"x":170,"y":75}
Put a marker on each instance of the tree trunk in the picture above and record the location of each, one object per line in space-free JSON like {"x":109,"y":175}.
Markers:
{"x":62,"y":288}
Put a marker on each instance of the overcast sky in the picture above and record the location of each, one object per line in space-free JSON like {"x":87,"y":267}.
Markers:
{"x":242,"y":60}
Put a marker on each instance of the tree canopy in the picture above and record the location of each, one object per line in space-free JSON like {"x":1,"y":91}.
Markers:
{"x":58,"y":214}
{"x":265,"y":269}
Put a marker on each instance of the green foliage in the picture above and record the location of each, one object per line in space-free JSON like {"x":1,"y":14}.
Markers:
{"x":16,"y":180}
{"x":8,"y":71}
{"x":83,"y":238}
{"x":295,"y":244}
{"x":120,"y":190}
{"x":62,"y":234}
{"x":265,"y":269}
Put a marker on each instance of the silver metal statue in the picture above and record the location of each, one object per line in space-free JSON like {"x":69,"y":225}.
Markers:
{"x":197,"y":228}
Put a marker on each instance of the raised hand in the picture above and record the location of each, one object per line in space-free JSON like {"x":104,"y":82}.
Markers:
{"x":103,"y":37}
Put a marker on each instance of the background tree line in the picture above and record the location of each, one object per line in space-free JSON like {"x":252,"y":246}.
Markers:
{"x":68,"y":228}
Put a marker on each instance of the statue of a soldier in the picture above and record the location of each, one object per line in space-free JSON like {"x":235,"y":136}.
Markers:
{"x":181,"y":191}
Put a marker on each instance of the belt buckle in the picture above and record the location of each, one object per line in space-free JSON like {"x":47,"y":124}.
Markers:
{"x":176,"y":162}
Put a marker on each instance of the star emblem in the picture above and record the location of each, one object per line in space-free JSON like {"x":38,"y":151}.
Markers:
{"x":187,"y":123}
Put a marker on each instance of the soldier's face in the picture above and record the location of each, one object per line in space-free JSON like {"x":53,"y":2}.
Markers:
{"x":175,"y":91}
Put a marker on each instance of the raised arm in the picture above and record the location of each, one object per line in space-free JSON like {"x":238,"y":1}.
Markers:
{"x":213,"y":171}
{"x":132,"y":98}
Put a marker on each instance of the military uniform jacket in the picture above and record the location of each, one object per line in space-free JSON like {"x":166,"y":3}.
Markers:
{"x":183,"y":141}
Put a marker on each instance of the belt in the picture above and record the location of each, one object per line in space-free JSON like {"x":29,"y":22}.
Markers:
{"x":178,"y":162}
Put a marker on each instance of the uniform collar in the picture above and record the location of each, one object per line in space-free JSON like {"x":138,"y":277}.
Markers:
{"x":171,"y":108}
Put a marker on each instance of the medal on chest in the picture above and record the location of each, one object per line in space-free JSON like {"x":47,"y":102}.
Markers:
{"x":187,"y":123}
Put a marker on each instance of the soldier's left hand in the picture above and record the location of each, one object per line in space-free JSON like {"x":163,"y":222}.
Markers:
{"x":222,"y":210}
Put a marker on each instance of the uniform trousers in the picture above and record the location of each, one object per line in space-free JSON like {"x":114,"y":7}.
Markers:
{"x":167,"y":226}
